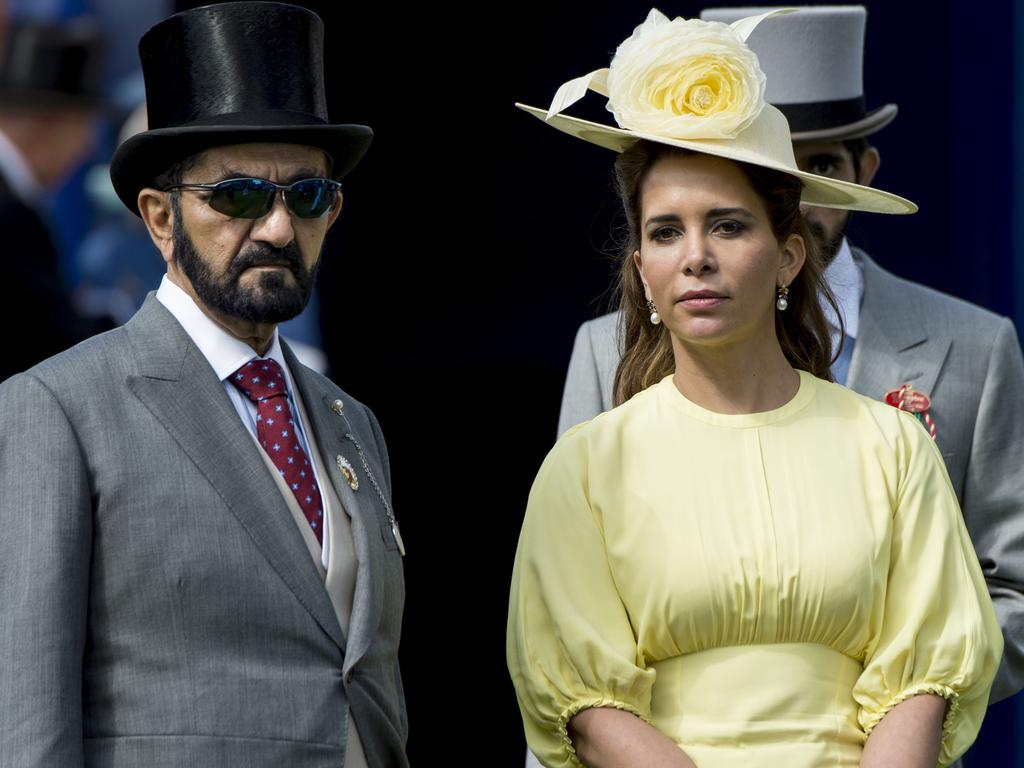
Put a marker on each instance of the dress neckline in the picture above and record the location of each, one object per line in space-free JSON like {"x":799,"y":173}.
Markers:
{"x":804,"y":394}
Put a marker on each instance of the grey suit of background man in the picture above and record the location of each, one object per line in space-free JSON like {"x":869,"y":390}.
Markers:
{"x":966,"y":359}
{"x":164,"y":596}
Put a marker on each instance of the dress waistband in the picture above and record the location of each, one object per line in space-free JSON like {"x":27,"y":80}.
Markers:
{"x":758,"y":696}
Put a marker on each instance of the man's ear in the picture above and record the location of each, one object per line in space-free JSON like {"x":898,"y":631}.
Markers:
{"x":333,"y":215}
{"x":869,"y":163}
{"x":158,"y":216}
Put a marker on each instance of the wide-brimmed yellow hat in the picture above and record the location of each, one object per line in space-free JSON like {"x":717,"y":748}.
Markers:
{"x":696,"y":85}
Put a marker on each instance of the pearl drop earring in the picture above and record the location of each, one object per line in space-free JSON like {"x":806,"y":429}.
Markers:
{"x":655,"y":317}
{"x":783,"y":300}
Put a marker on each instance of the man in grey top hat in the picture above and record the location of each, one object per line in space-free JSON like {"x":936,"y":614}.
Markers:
{"x":200,"y":564}
{"x":965,"y":360}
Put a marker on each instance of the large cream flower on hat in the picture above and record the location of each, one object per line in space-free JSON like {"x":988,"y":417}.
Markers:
{"x":696,"y":85}
{"x":685,"y":79}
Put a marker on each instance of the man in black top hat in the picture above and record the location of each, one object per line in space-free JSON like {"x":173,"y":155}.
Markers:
{"x":50,"y":77}
{"x":200,"y":563}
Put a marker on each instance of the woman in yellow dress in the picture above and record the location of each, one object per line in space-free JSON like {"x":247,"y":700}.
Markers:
{"x":744,"y":564}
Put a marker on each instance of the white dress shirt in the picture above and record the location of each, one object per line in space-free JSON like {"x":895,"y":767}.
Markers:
{"x":226,"y":354}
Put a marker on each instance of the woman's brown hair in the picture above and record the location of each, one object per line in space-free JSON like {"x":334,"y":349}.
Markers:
{"x":802,"y":329}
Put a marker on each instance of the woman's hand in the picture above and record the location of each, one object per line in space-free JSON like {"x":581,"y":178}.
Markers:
{"x":613,"y":738}
{"x":909,"y":736}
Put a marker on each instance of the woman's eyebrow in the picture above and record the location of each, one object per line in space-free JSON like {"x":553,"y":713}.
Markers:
{"x":663,"y":218}
{"x":716,"y":212}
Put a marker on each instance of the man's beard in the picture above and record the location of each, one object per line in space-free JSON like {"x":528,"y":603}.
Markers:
{"x":273,"y":301}
{"x":828,"y":247}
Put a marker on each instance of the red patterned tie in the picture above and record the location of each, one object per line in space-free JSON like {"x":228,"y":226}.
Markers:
{"x":262,"y":381}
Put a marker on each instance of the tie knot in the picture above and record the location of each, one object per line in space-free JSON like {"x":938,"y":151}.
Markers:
{"x":260,"y":380}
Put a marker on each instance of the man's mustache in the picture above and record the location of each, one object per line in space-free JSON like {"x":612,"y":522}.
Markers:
{"x":827,"y":247}
{"x":817,"y":231}
{"x":262,"y":256}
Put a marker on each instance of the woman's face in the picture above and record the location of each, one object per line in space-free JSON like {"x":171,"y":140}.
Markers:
{"x":708,"y":257}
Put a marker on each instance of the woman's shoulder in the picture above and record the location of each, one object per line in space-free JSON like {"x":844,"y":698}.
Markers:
{"x":639,"y":408}
{"x":901,"y":429}
{"x":607,"y":431}
{"x":846,"y":397}
{"x":593,"y":449}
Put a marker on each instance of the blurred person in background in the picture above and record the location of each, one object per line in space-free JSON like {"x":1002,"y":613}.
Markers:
{"x":115,"y":264}
{"x":50,"y":81}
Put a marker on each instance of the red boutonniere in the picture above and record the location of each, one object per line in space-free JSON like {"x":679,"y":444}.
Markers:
{"x":908,"y":399}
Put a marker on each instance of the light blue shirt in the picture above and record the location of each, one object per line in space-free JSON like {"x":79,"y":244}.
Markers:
{"x":846,"y":280}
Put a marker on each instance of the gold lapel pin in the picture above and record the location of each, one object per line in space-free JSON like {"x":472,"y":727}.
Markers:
{"x":337,"y":406}
{"x":347,"y":471}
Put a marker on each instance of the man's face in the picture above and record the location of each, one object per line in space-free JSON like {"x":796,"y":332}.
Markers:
{"x":254,"y":270}
{"x":834,"y":160}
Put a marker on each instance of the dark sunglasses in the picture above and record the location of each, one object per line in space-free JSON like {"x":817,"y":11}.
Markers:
{"x":253,"y":198}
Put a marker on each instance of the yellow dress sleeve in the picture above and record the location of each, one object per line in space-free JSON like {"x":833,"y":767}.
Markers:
{"x":937,"y":631}
{"x":570,"y":644}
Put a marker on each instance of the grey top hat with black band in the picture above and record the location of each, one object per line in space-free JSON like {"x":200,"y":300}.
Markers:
{"x":52,"y":65}
{"x":813,"y":60}
{"x":230,"y":74}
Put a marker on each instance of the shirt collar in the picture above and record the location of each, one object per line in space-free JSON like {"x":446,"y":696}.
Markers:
{"x":17,"y":173}
{"x":847,"y":283}
{"x":224,"y":352}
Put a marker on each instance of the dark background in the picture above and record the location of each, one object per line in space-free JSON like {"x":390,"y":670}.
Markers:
{"x":475,"y":240}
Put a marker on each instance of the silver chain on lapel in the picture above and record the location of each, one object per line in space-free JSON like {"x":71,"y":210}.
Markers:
{"x":373,"y":481}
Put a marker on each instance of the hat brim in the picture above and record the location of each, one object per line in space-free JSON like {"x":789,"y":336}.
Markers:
{"x":140,"y":159}
{"x":818,"y":190}
{"x":873,"y":121}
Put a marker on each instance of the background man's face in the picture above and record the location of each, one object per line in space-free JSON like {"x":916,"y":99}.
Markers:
{"x":257,"y":270}
{"x":834,"y":160}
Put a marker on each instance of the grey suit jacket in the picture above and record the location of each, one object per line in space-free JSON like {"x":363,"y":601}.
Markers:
{"x":158,"y":606}
{"x":967,"y":360}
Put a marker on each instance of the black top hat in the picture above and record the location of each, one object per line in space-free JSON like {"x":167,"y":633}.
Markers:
{"x":56,"y":65}
{"x":229,"y":74}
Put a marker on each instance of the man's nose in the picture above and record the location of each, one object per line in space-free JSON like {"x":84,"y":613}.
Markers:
{"x":277,"y":227}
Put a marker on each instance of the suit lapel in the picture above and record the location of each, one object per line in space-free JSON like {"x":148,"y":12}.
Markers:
{"x":331,"y":431}
{"x":178,"y":386}
{"x":894,"y":345}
